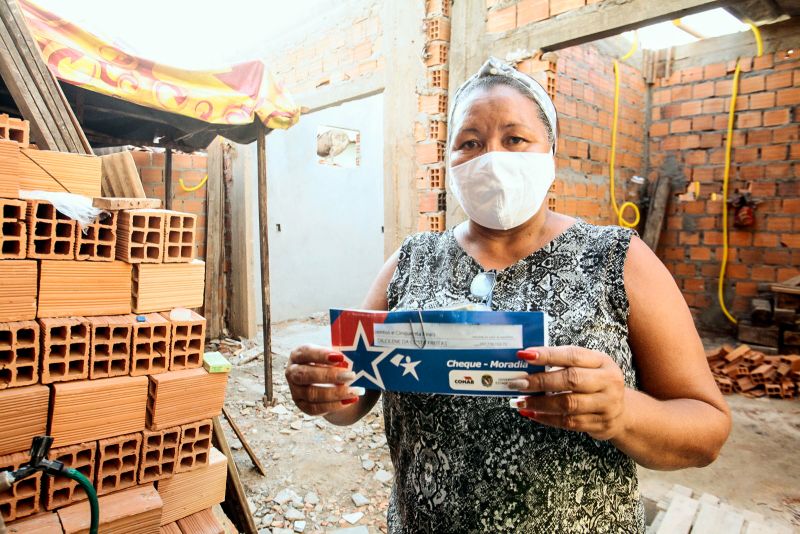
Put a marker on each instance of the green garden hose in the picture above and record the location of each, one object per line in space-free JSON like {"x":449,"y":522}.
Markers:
{"x":86,"y":484}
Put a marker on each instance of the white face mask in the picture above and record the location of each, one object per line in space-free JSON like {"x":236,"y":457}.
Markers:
{"x":502,"y":190}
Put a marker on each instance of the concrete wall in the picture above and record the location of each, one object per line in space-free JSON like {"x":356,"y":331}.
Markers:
{"x":330,"y":244}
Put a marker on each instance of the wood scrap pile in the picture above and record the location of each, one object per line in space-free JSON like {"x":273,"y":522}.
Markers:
{"x":774,"y":317}
{"x":753,"y":373}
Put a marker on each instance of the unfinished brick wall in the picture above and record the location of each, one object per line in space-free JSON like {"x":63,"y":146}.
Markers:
{"x":690,"y":113}
{"x":334,"y":54}
{"x":430,"y":129}
{"x":192,"y":169}
{"x":503,"y":16}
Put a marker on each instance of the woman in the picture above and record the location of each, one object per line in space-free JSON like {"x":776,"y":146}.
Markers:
{"x":633,"y":384}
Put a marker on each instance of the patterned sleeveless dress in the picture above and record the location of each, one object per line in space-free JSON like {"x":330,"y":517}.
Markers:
{"x":473,"y":464}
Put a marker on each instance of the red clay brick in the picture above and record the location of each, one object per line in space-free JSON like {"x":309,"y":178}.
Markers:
{"x":762,"y":100}
{"x":748,"y":120}
{"x":789,"y":97}
{"x":532,"y":11}
{"x":751,"y":84}
{"x":502,"y":20}
{"x":778,"y":80}
{"x":776,"y":117}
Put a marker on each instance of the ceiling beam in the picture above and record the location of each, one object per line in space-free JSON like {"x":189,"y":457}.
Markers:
{"x":594,"y":22}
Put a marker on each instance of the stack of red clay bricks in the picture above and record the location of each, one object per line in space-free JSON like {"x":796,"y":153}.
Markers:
{"x":114,"y":374}
{"x":753,"y":373}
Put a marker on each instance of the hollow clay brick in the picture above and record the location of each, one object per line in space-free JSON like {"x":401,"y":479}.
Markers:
{"x":96,"y":409}
{"x":140,"y":236}
{"x":117,"y":462}
{"x":22,"y":499}
{"x":150,"y":345}
{"x":159,"y":457}
{"x":13,"y":229}
{"x":19,"y":354}
{"x":195,"y":445}
{"x":47,"y":523}
{"x":179,"y":236}
{"x":65,"y":349}
{"x":179,"y":397}
{"x":16,"y":130}
{"x":110,"y":348}
{"x":60,"y":491}
{"x":203,"y":522}
{"x":135,"y":510}
{"x":47,"y":170}
{"x":9,"y":169}
{"x":164,"y":286}
{"x":187,"y":341}
{"x":187,"y":493}
{"x":51,"y":234}
{"x":68,"y":288}
{"x":97,"y":241}
{"x":24,"y":416}
{"x":19,"y":290}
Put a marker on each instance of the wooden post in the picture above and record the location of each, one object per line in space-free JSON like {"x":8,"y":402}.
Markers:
{"x":263,"y":225}
{"x":168,"y":179}
{"x":213,"y":308}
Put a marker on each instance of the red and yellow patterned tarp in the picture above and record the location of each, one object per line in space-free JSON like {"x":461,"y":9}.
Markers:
{"x":231,"y":96}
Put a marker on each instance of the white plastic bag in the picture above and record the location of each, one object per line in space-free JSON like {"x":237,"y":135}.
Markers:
{"x":76,"y":207}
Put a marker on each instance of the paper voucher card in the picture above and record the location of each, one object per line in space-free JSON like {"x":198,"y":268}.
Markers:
{"x":436,"y":351}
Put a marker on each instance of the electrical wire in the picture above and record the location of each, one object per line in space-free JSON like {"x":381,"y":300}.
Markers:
{"x":620,"y":210}
{"x":726,"y":176}
{"x":194,"y":187}
{"x":84,"y":482}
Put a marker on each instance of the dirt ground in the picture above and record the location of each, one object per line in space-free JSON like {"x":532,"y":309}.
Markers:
{"x":321,"y":478}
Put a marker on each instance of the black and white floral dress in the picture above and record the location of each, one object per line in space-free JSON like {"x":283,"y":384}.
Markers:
{"x":473,"y":464}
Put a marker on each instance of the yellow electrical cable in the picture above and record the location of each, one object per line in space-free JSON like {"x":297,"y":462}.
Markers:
{"x":194,"y":187}
{"x":620,"y":210}
{"x":726,"y":176}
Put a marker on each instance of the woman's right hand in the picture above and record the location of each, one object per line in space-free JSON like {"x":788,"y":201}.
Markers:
{"x":318,"y":378}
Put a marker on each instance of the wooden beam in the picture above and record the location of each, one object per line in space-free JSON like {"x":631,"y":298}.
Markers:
{"x":239,"y":434}
{"x":215,"y":250}
{"x":168,"y":178}
{"x":34,"y":88}
{"x":235,"y":504}
{"x":263,"y":224}
{"x":241,"y":306}
{"x":593,"y":22}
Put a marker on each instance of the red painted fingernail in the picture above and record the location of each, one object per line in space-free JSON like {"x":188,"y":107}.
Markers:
{"x":342,"y":365}
{"x":348,"y":402}
{"x":530,"y":414}
{"x":335,"y":357}
{"x":527,"y":355}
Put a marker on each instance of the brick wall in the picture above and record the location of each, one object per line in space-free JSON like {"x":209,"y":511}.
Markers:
{"x":192,"y":168}
{"x":584,"y":98}
{"x":690,"y":114}
{"x":505,"y":15}
{"x":430,"y":128}
{"x":343,"y":51}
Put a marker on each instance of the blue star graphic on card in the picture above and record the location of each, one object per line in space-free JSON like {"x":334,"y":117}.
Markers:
{"x":364,"y":358}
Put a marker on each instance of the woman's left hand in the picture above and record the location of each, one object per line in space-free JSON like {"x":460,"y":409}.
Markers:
{"x":586,"y":395}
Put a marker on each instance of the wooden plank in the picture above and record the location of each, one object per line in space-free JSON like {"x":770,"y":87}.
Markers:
{"x":168,"y":179}
{"x":120,"y":178}
{"x":235,"y":504}
{"x":263,"y":223}
{"x":242,"y":305}
{"x":679,"y":516}
{"x":41,"y":75}
{"x":34,"y":88}
{"x":111,"y":203}
{"x":768,"y":336}
{"x":239,"y":434}
{"x":655,"y":216}
{"x":708,"y":519}
{"x":732,"y":521}
{"x":215,"y":250}
{"x":595,"y":21}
